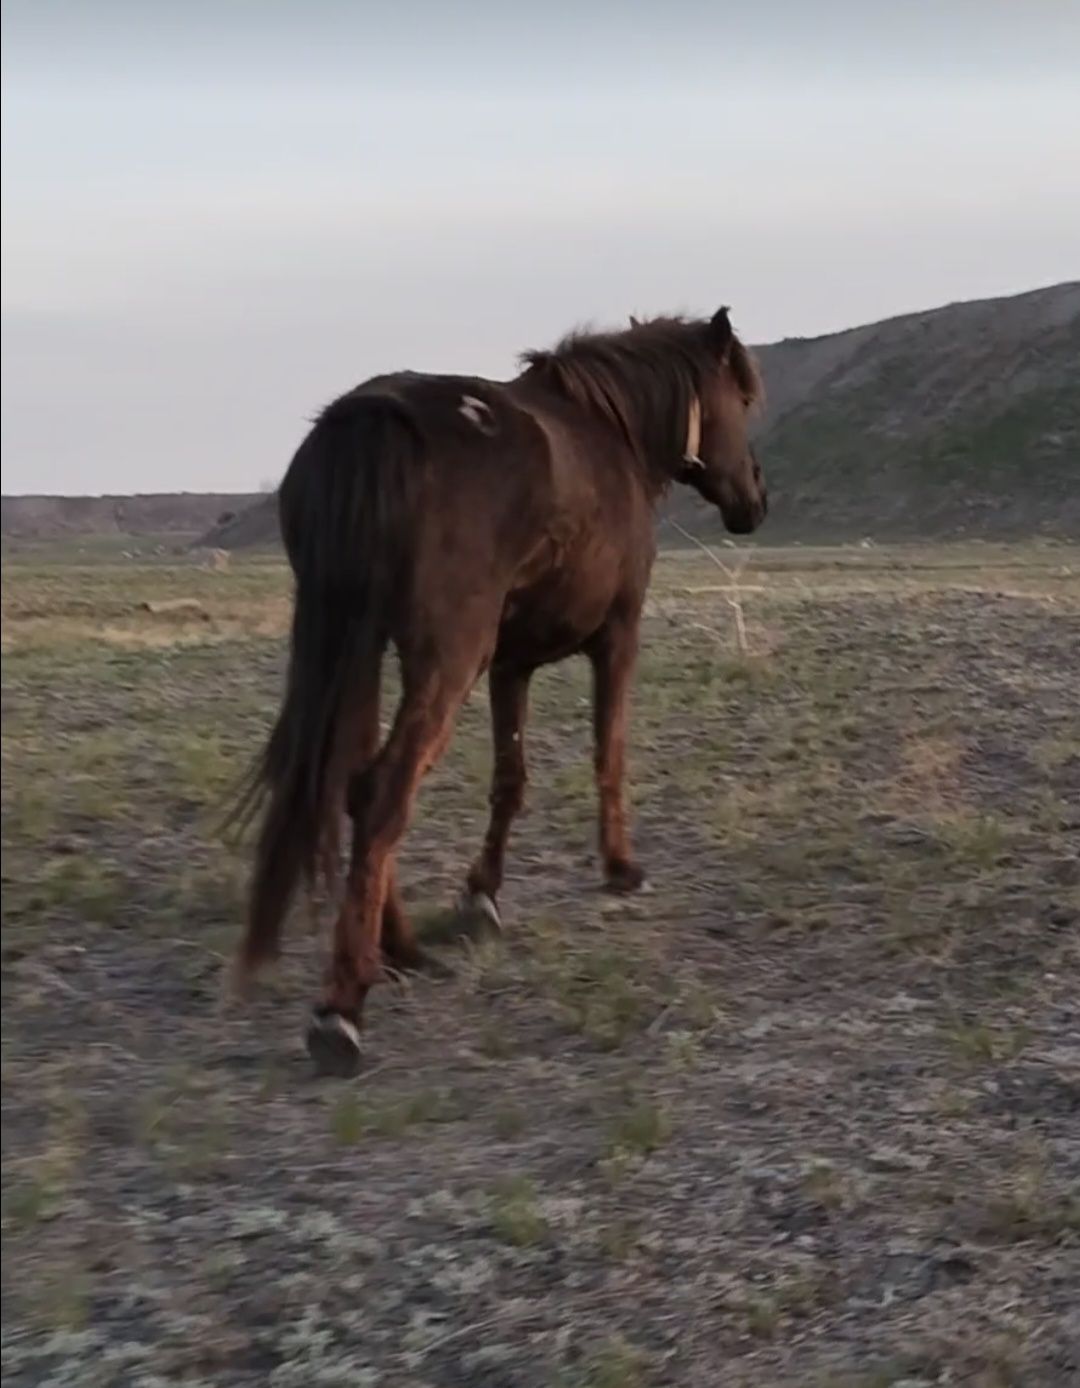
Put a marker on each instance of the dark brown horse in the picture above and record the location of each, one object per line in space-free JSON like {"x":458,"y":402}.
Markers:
{"x":474,"y":525}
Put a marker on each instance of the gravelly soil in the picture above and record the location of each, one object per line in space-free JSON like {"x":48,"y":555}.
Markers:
{"x":807,"y":1113}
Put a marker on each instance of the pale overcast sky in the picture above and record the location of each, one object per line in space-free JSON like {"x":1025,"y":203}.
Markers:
{"x":217,"y":216}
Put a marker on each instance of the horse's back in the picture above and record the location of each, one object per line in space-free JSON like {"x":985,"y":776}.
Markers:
{"x":520,"y":504}
{"x":454,"y":412}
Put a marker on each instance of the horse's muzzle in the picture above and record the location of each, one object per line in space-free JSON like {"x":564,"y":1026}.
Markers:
{"x":745,"y":519}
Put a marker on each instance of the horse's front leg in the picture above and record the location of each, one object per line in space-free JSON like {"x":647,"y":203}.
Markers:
{"x":509,"y":694}
{"x":613,"y":653}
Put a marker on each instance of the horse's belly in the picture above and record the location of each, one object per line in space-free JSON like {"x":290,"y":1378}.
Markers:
{"x":544,"y":625}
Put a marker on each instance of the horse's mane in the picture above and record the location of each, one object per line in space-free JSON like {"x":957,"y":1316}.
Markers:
{"x":644,"y":379}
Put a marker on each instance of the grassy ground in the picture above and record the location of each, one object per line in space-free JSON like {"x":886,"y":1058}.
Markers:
{"x":808,"y":1114}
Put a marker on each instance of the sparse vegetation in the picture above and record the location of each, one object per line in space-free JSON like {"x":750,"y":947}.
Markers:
{"x":509,"y":1121}
{"x":1028,"y":1205}
{"x":978,"y":1042}
{"x":615,"y":1364}
{"x":515,"y":1213}
{"x":802,"y":1115}
{"x":353,"y":1118}
{"x":596,"y":990}
{"x":640,"y":1128}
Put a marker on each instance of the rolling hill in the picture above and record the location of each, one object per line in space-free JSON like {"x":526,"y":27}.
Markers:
{"x":180,"y":514}
{"x":961,"y":421}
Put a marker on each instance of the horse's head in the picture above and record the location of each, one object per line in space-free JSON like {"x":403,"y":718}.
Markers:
{"x":719,"y":461}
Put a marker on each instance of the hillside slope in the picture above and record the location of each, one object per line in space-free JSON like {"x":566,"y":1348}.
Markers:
{"x":960,"y":420}
{"x":162,"y":513}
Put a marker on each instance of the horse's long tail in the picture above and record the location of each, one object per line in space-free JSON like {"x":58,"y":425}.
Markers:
{"x":342,"y":507}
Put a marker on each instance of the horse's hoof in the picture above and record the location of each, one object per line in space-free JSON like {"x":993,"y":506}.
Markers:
{"x":481,"y":908}
{"x":625,"y":877}
{"x":333,"y":1042}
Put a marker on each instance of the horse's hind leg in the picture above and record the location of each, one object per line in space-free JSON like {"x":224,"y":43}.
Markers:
{"x":509,"y":692}
{"x":383,"y":798}
{"x":356,"y":747}
{"x":360,"y":745}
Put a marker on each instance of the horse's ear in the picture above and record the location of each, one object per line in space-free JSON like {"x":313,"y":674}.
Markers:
{"x":635,"y":322}
{"x":720,"y":332}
